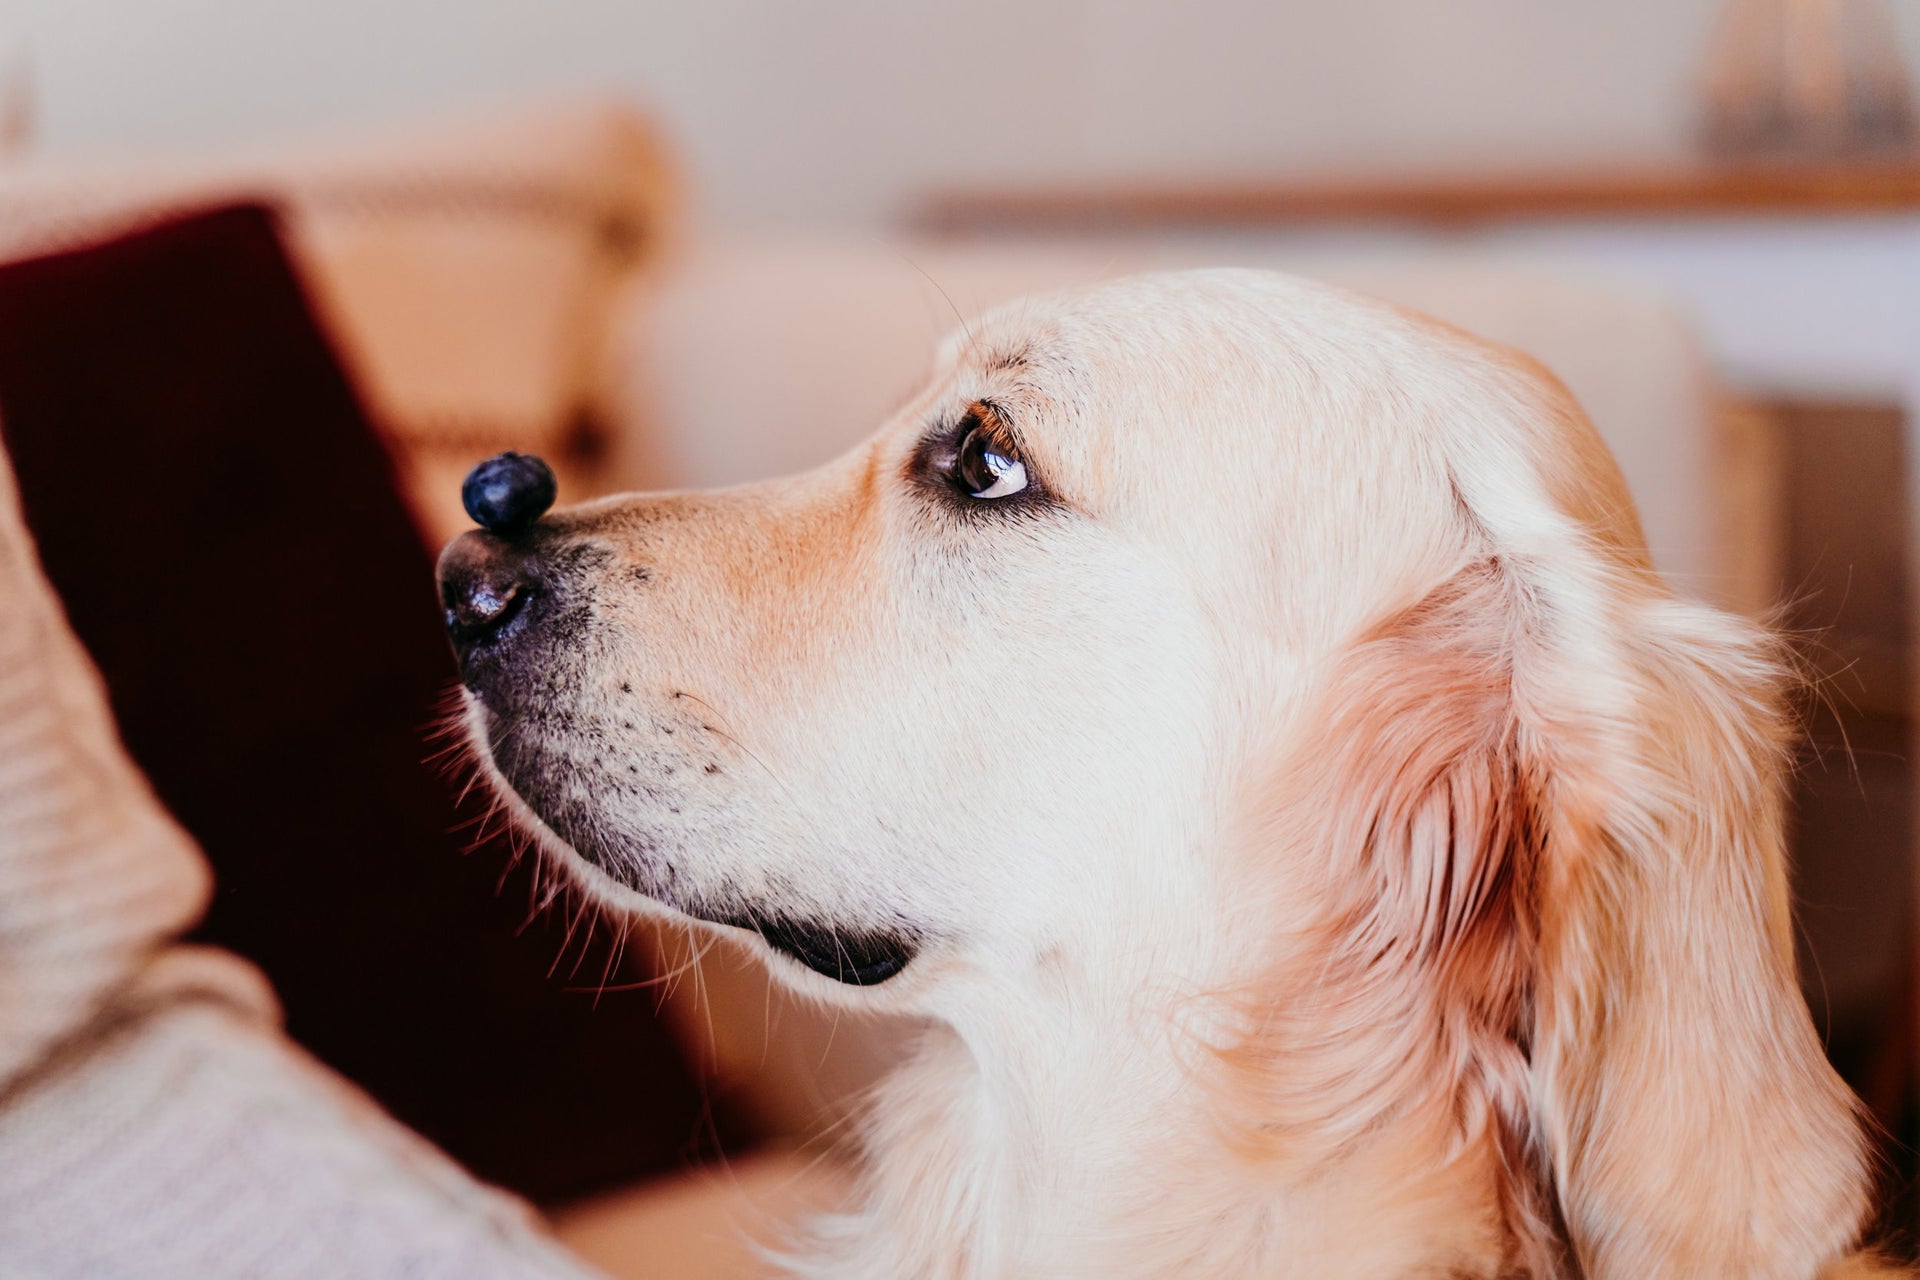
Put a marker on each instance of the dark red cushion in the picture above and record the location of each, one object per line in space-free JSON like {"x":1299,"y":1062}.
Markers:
{"x":223,"y":526}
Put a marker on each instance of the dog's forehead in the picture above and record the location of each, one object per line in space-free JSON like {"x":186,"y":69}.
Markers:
{"x":1164,"y":311}
{"x":1232,"y":357}
{"x":1186,"y":341}
{"x":1222,"y":366}
{"x":1316,"y":415}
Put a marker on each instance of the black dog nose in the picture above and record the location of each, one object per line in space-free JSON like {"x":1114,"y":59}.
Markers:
{"x":508,"y":492}
{"x":486,"y":583}
{"x":487,"y":577}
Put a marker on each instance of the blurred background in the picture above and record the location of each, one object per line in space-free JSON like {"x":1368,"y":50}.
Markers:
{"x":692,"y":244}
{"x":845,"y":114}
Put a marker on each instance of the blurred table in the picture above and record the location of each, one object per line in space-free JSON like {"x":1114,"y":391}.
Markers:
{"x":1657,"y":191}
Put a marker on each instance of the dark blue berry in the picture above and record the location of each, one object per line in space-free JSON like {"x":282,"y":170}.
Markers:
{"x":508,"y":492}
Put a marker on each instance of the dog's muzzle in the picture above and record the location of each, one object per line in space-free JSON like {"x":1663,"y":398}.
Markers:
{"x":514,"y":597}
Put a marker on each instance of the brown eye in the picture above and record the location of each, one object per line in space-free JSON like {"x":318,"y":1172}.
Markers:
{"x":986,"y":466}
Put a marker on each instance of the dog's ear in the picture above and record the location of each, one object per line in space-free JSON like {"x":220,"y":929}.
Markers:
{"x":1552,"y":941}
{"x":1400,"y":998}
{"x":1680,"y":1095}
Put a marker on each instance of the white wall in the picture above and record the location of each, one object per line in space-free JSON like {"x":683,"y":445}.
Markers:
{"x":841,"y":111}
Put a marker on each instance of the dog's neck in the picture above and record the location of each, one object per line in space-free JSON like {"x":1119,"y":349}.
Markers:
{"x":1074,"y":1135}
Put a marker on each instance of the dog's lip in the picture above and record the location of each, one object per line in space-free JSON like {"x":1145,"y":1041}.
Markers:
{"x":857,"y":957}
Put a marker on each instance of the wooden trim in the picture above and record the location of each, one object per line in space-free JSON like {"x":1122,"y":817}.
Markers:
{"x":1749,"y":506}
{"x":1692,"y":191}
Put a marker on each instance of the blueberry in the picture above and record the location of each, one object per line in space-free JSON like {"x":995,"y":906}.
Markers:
{"x":508,"y":492}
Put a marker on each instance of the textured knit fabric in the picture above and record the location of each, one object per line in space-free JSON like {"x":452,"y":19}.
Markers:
{"x":92,"y":873}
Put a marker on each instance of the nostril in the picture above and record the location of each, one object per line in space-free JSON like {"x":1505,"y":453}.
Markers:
{"x":486,"y":607}
{"x":485,"y":584}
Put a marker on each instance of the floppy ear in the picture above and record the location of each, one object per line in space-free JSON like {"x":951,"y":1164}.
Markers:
{"x":1679,"y":1092}
{"x":1400,"y":1002}
{"x":1554,"y":946}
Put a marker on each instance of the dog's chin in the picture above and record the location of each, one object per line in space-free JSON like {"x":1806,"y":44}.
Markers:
{"x":854,"y":956}
{"x":859,"y":957}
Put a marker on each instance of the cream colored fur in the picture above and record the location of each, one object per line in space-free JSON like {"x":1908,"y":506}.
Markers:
{"x":1337,"y":853}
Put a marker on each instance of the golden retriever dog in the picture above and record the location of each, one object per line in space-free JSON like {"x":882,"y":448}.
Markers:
{"x":1244,"y":720}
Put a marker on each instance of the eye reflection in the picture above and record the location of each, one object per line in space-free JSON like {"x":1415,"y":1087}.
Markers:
{"x":986,"y":466}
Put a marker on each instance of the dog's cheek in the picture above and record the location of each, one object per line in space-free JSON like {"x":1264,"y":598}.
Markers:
{"x":1004,"y":751}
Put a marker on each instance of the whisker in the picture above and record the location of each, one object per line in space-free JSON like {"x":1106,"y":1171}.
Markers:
{"x":736,"y":743}
{"x":965,"y":328}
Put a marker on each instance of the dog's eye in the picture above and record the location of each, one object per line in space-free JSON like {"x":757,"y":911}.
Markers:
{"x":986,"y":466}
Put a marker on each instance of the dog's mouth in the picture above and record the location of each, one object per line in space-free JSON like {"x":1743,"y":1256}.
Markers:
{"x":857,"y":957}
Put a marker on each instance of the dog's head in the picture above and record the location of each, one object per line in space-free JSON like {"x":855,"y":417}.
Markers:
{"x":1222,"y":633}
